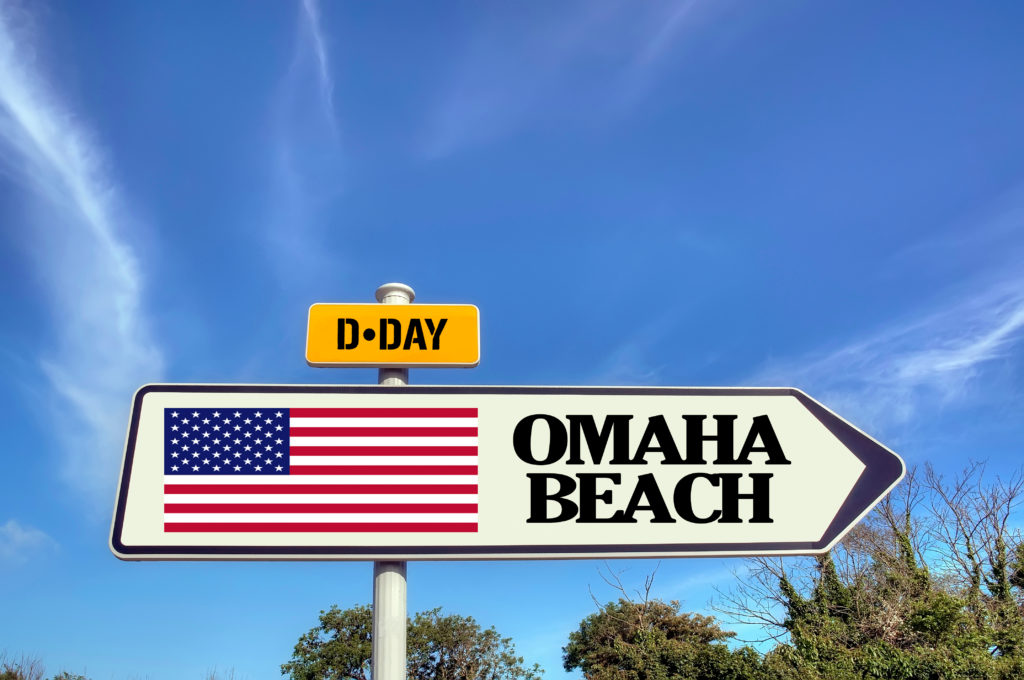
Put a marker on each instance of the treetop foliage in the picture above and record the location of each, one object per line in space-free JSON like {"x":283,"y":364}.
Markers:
{"x":440,"y":646}
{"x":930,"y":585}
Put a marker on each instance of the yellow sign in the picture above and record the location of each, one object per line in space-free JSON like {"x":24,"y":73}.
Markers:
{"x":440,"y":336}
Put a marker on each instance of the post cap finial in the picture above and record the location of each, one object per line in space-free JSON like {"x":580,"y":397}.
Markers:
{"x":395,"y":294}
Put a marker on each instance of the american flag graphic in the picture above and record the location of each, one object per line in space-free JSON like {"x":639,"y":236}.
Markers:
{"x":320,"y":470}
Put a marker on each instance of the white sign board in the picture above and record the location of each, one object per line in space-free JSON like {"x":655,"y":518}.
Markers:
{"x":422,"y":472}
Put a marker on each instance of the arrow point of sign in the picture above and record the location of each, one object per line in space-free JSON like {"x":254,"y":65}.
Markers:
{"x":883,"y":469}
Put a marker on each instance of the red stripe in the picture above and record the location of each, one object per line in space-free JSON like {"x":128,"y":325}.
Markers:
{"x":319,"y":488}
{"x":327,"y":527}
{"x":389,"y":508}
{"x":383,"y":469}
{"x":383,"y":450}
{"x":382,"y":431}
{"x":383,"y":413}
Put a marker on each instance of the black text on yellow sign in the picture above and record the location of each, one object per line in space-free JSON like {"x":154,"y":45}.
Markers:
{"x":440,"y":336}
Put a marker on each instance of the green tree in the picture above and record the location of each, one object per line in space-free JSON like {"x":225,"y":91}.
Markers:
{"x":440,"y":647}
{"x":25,"y":668}
{"x":453,"y":647}
{"x":928,"y":586}
{"x":28,"y":668}
{"x":650,"y":639}
{"x":338,"y":647}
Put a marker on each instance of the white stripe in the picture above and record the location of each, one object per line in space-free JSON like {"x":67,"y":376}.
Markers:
{"x":384,"y":460}
{"x":383,"y":441}
{"x":389,"y":518}
{"x":383,"y":422}
{"x":325,"y":479}
{"x":463,"y":498}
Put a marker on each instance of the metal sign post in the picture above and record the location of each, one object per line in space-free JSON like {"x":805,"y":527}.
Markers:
{"x":389,"y":578}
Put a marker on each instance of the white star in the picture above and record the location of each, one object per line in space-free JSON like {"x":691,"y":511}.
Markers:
{"x":216,"y":428}
{"x":258,"y":428}
{"x":237,"y":428}
{"x":195,"y":427}
{"x":174,"y":441}
{"x":216,"y":441}
{"x":278,"y":441}
{"x":216,"y":454}
{"x":195,"y":441}
{"x":237,"y":414}
{"x":206,"y":421}
{"x":174,"y":427}
{"x":216,"y":414}
{"x":206,"y":434}
{"x":278,"y":414}
{"x":195,"y":455}
{"x":268,"y":421}
{"x":258,"y":414}
{"x":216,"y":468}
{"x":278,"y":428}
{"x":258,"y":468}
{"x":206,"y":461}
{"x":248,"y":448}
{"x":174,"y":455}
{"x":278,"y":454}
{"x":237,"y":468}
{"x":174,"y":414}
{"x":195,"y":468}
{"x":247,"y":434}
{"x":185,"y":420}
{"x":259,"y":455}
{"x":279,"y":468}
{"x":206,"y":448}
{"x":248,"y":420}
{"x":238,"y":441}
{"x":174,"y":468}
{"x":195,"y":414}
{"x":247,"y":461}
{"x":184,"y":447}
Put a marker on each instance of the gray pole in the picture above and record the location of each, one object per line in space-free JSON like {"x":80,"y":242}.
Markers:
{"x":389,"y":584}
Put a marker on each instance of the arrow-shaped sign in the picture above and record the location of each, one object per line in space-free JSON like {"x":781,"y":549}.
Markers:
{"x":370,"y":472}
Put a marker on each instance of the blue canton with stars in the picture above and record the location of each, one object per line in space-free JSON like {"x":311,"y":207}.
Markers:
{"x":225,"y":441}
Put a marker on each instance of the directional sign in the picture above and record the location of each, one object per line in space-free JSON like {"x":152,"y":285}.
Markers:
{"x":405,"y":473}
{"x":440,"y":336}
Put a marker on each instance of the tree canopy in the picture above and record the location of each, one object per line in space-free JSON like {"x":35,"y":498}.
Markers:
{"x":929,"y":586}
{"x":652,"y":640}
{"x":440,"y":647}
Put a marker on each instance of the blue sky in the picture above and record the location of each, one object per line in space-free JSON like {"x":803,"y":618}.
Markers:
{"x":822,"y":195}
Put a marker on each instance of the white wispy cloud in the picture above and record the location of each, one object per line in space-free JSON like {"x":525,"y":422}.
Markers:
{"x":701,"y":582}
{"x":20,"y":543}
{"x":306,"y":156}
{"x":318,"y":47}
{"x":885,"y":379}
{"x":571,"y":59}
{"x":672,"y":22}
{"x":634,"y":361}
{"x":76,"y":226}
